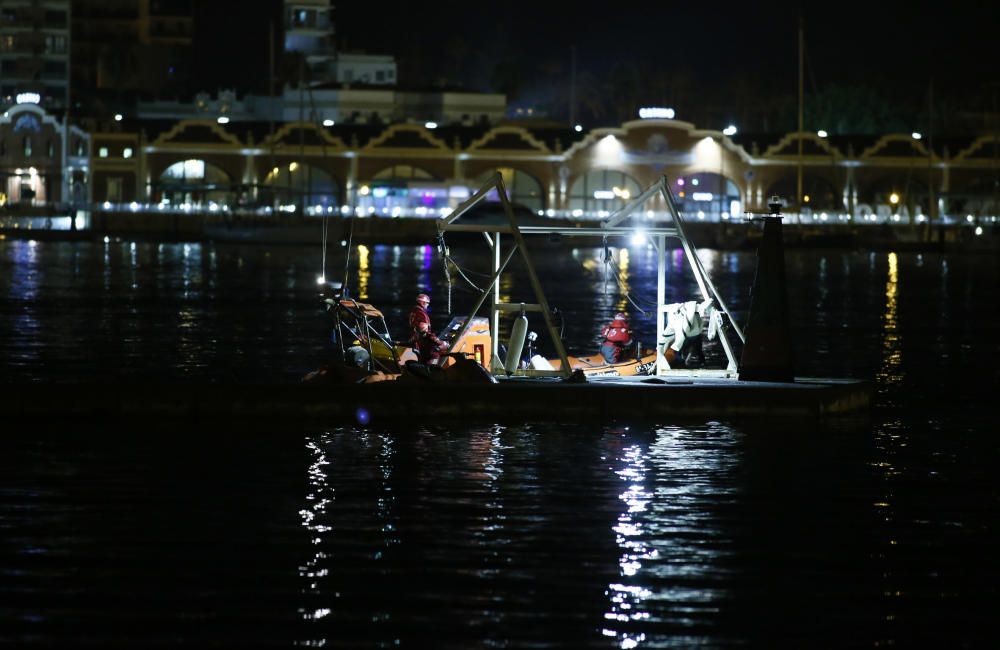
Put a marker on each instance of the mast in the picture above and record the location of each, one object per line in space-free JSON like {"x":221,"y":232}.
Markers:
{"x":798,"y":196}
{"x":932,"y":200}
{"x":572,"y":86}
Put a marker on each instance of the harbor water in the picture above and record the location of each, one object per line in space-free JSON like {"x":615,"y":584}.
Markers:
{"x":605,"y":535}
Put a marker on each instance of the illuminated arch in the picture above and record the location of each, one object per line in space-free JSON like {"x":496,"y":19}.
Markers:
{"x":602,"y":191}
{"x":193,"y":181}
{"x":302,"y":184}
{"x":708,"y":195}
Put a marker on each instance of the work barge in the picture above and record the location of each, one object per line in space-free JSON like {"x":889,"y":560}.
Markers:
{"x":756,"y":382}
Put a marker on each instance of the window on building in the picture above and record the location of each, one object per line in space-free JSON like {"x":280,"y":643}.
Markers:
{"x":27,"y":147}
{"x":55,"y":18}
{"x":390,"y":75}
{"x":102,"y":152}
{"x":380,"y":75}
{"x":114,"y":189}
{"x":55,"y":44}
{"x":127,"y":152}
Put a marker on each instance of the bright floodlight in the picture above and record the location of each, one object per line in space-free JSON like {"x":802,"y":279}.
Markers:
{"x":894,"y":198}
{"x":321,"y":279}
{"x":916,"y":135}
{"x":328,"y":122}
{"x":729,"y":130}
{"x":578,"y":128}
{"x":431,"y":125}
{"x":821,"y":133}
{"x":223,"y":119}
{"x":118,"y":117}
{"x":639,"y":237}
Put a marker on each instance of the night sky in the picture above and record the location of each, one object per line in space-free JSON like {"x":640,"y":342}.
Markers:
{"x":871,"y":67}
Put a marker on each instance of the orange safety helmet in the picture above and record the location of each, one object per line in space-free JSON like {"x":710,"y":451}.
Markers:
{"x":424,"y":299}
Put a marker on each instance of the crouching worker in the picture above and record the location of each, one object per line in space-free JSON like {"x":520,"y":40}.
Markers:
{"x":617,"y":337}
{"x":683,"y":335}
{"x":428,"y":346}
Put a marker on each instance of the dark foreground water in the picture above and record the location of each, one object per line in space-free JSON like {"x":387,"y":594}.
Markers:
{"x":539,"y":535}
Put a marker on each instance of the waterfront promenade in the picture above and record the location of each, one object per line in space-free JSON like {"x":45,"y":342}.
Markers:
{"x":289,"y":229}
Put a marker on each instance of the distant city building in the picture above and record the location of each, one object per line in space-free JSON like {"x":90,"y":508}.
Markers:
{"x":35,"y":172}
{"x":309,"y":31}
{"x":34,"y":53}
{"x":337,"y":104}
{"x":124,"y":47}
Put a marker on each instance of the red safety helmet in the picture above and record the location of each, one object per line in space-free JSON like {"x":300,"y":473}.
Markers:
{"x":423,"y":298}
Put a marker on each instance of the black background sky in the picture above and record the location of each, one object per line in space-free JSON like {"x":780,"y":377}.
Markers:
{"x":715,"y":62}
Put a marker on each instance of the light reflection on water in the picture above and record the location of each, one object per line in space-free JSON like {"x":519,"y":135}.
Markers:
{"x":540,"y":535}
{"x":667,"y":535}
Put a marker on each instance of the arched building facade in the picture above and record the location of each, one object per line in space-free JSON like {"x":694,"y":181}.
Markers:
{"x":412,"y":170}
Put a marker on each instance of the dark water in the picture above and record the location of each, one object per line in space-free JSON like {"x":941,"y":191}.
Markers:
{"x":676,"y":535}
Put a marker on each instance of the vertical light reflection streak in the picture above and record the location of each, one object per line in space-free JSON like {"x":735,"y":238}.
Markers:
{"x":320,"y":495}
{"x":623,"y":274}
{"x":889,"y":438}
{"x":364,"y":275}
{"x":673,"y":557}
{"x":627,"y":599}
{"x":890,"y":375}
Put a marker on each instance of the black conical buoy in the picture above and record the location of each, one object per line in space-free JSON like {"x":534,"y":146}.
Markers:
{"x":767,"y":354}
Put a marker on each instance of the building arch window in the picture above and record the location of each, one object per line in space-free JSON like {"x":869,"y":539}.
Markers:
{"x":302,"y":184}
{"x":602,"y":192}
{"x":523,"y":188}
{"x":193,"y":182}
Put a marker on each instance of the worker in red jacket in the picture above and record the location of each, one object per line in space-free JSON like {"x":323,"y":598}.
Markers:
{"x":617,"y":337}
{"x":427,"y":346}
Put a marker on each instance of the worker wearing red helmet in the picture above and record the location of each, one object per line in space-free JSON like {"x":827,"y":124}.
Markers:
{"x":617,"y":337}
{"x":427,"y":346}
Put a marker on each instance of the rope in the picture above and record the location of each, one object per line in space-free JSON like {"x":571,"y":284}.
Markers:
{"x":609,"y":259}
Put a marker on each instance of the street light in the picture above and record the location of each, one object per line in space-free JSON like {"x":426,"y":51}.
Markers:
{"x":915,"y":135}
{"x":729,"y":130}
{"x":894,"y":198}
{"x":821,"y":133}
